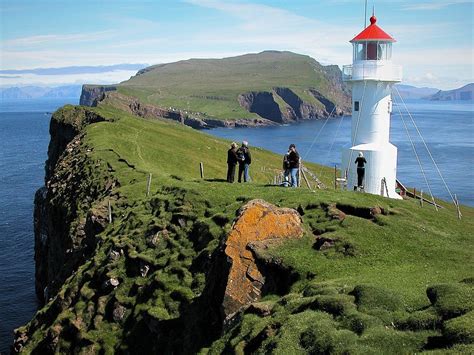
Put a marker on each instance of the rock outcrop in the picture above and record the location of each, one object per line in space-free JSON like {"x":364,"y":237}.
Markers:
{"x":283,"y":105}
{"x":263,"y":104}
{"x":92,"y":94}
{"x":258,"y":222}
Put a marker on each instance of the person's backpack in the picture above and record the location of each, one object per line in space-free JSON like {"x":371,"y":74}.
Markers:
{"x":286,"y":161}
{"x":240,"y":155}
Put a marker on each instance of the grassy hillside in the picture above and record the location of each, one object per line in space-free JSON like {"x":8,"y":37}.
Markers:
{"x":211,"y":87}
{"x":399,"y":280}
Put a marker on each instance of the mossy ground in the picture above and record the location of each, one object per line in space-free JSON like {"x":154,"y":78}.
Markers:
{"x":366,"y":294}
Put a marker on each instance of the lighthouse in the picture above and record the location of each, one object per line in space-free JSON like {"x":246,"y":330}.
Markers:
{"x":371,"y":77}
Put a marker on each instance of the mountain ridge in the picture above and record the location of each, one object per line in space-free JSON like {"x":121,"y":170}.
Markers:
{"x":464,"y":93}
{"x":33,"y":92}
{"x":280,"y":87}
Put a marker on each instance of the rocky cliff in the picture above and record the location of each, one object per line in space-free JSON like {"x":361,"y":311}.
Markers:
{"x":64,"y":230}
{"x":91,"y":94}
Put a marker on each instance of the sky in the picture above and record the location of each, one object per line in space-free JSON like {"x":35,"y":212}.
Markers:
{"x":434,"y":38}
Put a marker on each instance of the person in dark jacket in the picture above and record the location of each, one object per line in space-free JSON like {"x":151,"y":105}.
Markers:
{"x":360,"y":161}
{"x":245,"y":159}
{"x":231,"y":162}
{"x":294,"y":164}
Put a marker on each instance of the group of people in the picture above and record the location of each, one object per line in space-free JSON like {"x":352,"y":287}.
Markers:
{"x":291,"y":165}
{"x":239,"y":156}
{"x":242,"y":157}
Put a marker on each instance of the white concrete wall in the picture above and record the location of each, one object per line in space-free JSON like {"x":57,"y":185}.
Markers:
{"x":381,"y":163}
{"x":372,"y":121}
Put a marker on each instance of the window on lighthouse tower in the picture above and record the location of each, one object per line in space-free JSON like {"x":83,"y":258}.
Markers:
{"x":372,"y":50}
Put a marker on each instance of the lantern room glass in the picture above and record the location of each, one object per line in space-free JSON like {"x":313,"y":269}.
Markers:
{"x":372,"y":50}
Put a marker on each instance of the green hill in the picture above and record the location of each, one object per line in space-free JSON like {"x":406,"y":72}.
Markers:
{"x":274,"y":86}
{"x":370,"y":275}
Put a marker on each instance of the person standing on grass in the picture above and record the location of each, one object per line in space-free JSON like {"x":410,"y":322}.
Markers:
{"x":294,"y":164}
{"x":286,"y":169}
{"x":231,"y":162}
{"x":360,"y":161}
{"x":245,"y":159}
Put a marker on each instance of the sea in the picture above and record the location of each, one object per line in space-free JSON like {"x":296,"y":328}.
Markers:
{"x":447,"y":128}
{"x":24,"y":138}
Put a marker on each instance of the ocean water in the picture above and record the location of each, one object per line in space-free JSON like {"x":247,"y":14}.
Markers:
{"x":447,"y":128}
{"x":24,"y":138}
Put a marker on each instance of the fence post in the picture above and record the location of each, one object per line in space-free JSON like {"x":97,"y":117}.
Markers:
{"x":299,"y":174}
{"x":148,"y":185}
{"x":201,"y":169}
{"x":110,"y":212}
{"x":421,"y":198}
{"x":335,"y":177}
{"x":305,"y":178}
{"x":434,"y":203}
{"x":457,"y":206}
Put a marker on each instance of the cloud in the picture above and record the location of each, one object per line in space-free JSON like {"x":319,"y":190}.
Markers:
{"x":451,"y":56}
{"x":250,"y":12}
{"x":241,"y":27}
{"x":75,"y":69}
{"x":52,"y":39}
{"x":433,"y":5}
{"x":112,"y":77}
{"x":429,"y":79}
{"x":266,"y":27}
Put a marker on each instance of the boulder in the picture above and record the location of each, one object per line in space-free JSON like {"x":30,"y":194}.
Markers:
{"x":257,"y":221}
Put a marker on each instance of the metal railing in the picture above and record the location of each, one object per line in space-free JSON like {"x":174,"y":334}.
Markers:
{"x":372,"y":70}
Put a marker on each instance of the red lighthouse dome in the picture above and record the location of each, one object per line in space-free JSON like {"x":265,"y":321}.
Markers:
{"x":373,"y":33}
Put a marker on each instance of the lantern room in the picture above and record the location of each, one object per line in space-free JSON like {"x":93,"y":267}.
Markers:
{"x":372,"y":43}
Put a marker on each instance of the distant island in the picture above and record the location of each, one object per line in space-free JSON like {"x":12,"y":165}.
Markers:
{"x":254,"y":89}
{"x":413,"y":92}
{"x":465,"y":93}
{"x":35,"y":92}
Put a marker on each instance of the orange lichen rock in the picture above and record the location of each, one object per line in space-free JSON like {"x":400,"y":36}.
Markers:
{"x":257,"y":221}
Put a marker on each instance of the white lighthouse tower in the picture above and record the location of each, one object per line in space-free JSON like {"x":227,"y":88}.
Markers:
{"x":371,"y":76}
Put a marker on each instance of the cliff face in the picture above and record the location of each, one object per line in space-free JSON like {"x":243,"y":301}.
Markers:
{"x":64,"y":232}
{"x":292,"y":108}
{"x":91,"y":94}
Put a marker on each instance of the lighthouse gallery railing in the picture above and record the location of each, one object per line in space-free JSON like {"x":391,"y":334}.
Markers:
{"x":372,"y":70}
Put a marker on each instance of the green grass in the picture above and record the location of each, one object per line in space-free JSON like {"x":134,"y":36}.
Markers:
{"x":368,"y":291}
{"x":211,"y":87}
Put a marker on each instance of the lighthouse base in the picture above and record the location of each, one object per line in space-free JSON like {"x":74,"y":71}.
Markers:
{"x":380,"y":170}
